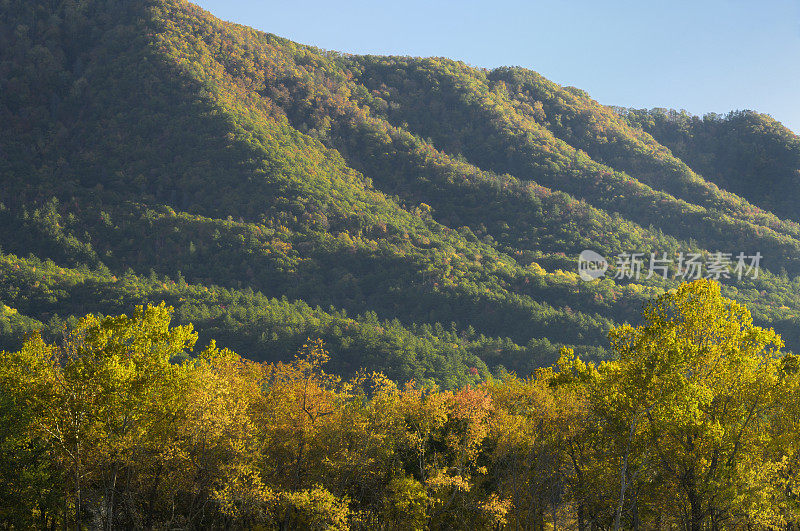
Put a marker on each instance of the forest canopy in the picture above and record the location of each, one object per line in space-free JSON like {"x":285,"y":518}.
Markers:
{"x":122,"y":423}
{"x":392,"y":247}
{"x":421,"y":216}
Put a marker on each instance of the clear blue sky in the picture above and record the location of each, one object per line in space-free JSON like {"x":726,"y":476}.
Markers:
{"x":699,"y":55}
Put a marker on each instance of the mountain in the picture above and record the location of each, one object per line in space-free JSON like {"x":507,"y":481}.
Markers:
{"x":421,"y":216}
{"x":747,"y":153}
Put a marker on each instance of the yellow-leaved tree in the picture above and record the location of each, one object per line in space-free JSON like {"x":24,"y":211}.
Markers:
{"x":689,"y":403}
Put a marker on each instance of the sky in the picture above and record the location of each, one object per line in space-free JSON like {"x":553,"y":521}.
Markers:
{"x":699,"y":55}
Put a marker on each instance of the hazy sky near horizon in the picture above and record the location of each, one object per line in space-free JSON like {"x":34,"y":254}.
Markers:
{"x":699,"y":55}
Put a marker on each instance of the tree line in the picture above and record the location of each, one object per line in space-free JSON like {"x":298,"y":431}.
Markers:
{"x":693,"y":424}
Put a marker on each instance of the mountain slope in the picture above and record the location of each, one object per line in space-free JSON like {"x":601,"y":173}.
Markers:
{"x":230,"y":171}
{"x":746,"y":152}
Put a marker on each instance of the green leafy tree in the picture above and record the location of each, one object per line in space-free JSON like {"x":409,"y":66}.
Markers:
{"x":691,"y":395}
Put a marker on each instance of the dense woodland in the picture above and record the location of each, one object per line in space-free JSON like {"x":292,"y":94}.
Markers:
{"x":419,"y":217}
{"x":693,"y":425}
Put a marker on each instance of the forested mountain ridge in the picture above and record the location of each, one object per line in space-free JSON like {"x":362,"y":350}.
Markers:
{"x":421,"y":216}
{"x":748,"y":153}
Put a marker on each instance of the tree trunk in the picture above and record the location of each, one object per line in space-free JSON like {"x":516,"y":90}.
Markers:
{"x":110,"y":502}
{"x":538,"y":521}
{"x":696,"y":510}
{"x":77,"y":487}
{"x":151,"y":504}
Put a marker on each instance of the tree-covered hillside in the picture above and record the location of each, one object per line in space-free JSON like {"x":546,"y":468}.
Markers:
{"x":122,"y":424}
{"x":421,"y":216}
